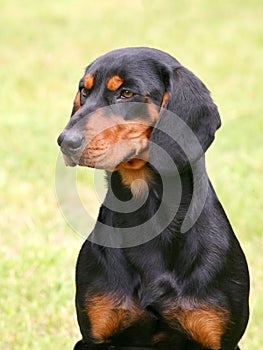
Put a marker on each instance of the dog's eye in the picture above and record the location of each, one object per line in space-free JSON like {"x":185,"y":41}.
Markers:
{"x":84,"y":92}
{"x":126,"y":94}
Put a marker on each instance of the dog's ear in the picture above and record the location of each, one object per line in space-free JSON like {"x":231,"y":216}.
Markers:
{"x":188,"y":119}
{"x":191,"y":101}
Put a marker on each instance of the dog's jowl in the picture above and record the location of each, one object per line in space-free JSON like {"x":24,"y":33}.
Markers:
{"x":162,"y":268}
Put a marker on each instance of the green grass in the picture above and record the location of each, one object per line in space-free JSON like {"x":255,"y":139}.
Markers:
{"x":44,"y":48}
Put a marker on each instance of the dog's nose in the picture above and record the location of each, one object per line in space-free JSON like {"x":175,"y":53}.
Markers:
{"x":70,"y":142}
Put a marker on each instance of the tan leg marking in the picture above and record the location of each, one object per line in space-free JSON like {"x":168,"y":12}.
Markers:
{"x":205,"y":325}
{"x":108,"y":315}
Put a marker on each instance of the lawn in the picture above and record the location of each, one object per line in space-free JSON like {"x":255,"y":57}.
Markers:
{"x":44,"y":48}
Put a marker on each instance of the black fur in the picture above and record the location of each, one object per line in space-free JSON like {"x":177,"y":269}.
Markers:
{"x":195,"y":260}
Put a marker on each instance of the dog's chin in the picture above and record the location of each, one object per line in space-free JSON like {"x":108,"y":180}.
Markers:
{"x":69,"y":161}
{"x":112,"y":161}
{"x":132,"y":164}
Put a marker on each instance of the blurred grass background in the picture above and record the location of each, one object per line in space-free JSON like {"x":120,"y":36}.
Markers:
{"x":44,"y":48}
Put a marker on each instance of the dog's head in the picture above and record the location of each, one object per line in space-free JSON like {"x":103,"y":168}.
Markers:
{"x":120,"y":103}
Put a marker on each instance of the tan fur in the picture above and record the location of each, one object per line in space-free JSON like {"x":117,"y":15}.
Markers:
{"x":136,"y":179}
{"x":108,"y":315}
{"x":205,"y":324}
{"x":114,"y":83}
{"x":89,"y":81}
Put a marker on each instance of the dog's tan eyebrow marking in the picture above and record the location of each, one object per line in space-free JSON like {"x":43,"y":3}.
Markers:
{"x":89,"y":81}
{"x":114,"y":83}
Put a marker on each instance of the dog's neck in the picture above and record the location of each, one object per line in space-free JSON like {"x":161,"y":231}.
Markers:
{"x":137,"y":180}
{"x":148,"y":189}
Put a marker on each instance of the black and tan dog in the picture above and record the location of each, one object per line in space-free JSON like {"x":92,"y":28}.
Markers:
{"x":179,"y":288}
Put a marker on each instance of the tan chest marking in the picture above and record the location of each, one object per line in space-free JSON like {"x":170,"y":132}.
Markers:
{"x":130,"y":175}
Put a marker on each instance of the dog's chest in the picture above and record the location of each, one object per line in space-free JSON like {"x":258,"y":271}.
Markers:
{"x":118,"y":321}
{"x":151,"y":304}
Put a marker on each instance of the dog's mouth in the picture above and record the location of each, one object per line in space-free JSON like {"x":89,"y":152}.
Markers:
{"x":112,"y":159}
{"x":129,"y":154}
{"x":110,"y":138}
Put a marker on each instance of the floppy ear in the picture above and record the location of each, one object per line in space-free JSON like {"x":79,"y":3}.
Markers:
{"x":186,"y":126}
{"x":191,"y":101}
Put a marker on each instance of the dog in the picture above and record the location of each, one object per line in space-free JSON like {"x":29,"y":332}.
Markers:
{"x":162,"y":268}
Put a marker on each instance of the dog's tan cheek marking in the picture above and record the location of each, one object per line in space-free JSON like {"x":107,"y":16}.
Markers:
{"x":135,"y":130}
{"x":105,"y":133}
{"x":205,"y":325}
{"x":101,"y":132}
{"x":108,"y":317}
{"x":153,"y":113}
{"x":135,"y":168}
{"x":89,"y":81}
{"x":112,"y":131}
{"x":114,"y":83}
{"x":100,"y":128}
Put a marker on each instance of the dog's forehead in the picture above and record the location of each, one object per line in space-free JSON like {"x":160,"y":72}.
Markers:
{"x":137,"y":67}
{"x":112,"y":78}
{"x":127,"y":69}
{"x":124,"y":58}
